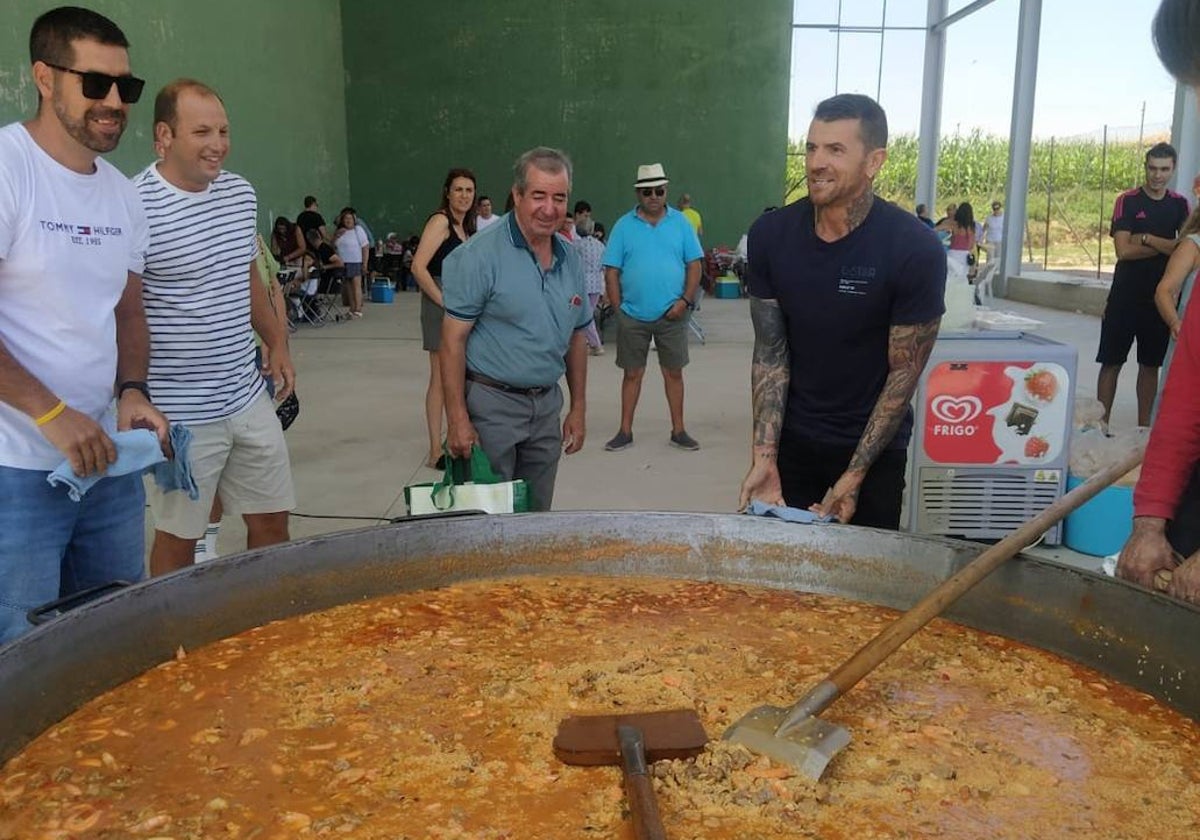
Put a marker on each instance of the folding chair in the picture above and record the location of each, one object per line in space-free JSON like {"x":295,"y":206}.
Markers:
{"x":329,"y":295}
{"x":983,"y":283}
{"x":303,"y":304}
{"x":694,"y":323}
{"x":602,"y":314}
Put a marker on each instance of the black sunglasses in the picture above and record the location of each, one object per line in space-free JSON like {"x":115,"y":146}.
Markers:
{"x":649,"y":191}
{"x":97,"y":85}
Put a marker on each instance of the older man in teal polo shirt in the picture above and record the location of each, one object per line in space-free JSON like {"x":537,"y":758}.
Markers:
{"x":516,"y":310}
{"x":651,"y":276}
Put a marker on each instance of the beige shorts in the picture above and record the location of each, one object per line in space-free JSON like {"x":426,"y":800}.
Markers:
{"x":244,"y":458}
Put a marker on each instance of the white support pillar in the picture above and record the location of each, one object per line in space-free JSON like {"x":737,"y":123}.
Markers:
{"x":1020,"y":140}
{"x":929,"y":135}
{"x":1185,"y":137}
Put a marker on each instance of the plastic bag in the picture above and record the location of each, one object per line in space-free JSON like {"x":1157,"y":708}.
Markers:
{"x":1089,"y":414}
{"x":1093,"y":451}
{"x":960,"y":299}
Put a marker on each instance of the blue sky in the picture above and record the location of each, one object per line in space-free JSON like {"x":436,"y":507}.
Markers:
{"x":1096,"y":66}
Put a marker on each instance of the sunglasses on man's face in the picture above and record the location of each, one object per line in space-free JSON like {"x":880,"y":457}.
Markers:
{"x":649,"y":191}
{"x":97,"y":85}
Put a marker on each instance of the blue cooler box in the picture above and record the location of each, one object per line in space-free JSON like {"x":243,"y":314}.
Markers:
{"x":728,"y":287}
{"x":1101,"y":526}
{"x":381,"y":292}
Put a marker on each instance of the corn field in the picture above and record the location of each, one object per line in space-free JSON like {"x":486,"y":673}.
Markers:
{"x":1072,"y":182}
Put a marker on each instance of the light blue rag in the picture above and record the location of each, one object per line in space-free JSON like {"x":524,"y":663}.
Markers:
{"x":138,"y":450}
{"x":787,"y":514}
{"x":176,"y":474}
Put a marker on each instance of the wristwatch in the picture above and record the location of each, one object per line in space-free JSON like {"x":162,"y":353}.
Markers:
{"x":688,"y":303}
{"x":135,"y":384}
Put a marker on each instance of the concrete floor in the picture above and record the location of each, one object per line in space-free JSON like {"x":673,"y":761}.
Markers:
{"x":360,"y":437}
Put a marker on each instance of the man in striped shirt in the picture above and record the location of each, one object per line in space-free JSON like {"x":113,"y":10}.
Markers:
{"x":202,"y":297}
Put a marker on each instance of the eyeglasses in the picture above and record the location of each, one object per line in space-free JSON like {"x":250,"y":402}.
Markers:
{"x":649,"y":191}
{"x":97,"y":85}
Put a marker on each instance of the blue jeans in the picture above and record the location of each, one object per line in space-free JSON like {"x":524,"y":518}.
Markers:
{"x":51,"y":547}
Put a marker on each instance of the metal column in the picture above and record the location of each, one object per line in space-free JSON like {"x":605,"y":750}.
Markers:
{"x":1019,"y":143}
{"x":929,"y":136}
{"x":1185,"y":137}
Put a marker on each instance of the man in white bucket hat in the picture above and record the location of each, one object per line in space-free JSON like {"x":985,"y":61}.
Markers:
{"x":651,"y":275}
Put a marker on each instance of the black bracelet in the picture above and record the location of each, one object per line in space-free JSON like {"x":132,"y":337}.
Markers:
{"x":135,"y":384}
{"x":688,"y":303}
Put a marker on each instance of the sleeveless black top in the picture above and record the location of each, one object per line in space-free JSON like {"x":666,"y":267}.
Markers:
{"x":452,"y":242}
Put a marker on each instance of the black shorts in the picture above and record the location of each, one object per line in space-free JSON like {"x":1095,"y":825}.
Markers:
{"x":1125,"y":321}
{"x":807,"y":469}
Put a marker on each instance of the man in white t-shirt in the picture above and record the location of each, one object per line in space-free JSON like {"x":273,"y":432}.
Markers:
{"x":993,"y":232}
{"x":72,"y":330}
{"x":203,"y":295}
{"x":484,"y":217}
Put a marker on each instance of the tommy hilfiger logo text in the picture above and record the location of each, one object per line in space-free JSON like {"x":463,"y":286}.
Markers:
{"x":81,"y":234}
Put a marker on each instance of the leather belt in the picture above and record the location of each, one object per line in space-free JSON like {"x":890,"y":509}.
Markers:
{"x":535,"y":391}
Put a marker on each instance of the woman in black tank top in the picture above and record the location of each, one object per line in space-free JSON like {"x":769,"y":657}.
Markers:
{"x":449,"y":226}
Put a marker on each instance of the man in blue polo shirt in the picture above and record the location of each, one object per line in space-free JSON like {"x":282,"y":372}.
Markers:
{"x":651,"y":275}
{"x":516,"y":311}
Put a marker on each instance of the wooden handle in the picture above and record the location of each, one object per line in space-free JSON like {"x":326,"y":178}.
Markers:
{"x":643,"y":807}
{"x":932,"y":605}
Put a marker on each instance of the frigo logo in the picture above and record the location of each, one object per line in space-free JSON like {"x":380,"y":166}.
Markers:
{"x":955,"y":414}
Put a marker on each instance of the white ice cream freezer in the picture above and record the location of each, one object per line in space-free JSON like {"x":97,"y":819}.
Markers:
{"x":991,"y":434}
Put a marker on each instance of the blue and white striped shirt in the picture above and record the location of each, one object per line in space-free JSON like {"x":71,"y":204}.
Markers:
{"x":196,"y":288}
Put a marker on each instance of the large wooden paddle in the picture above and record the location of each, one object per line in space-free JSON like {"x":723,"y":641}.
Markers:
{"x":633,"y":742}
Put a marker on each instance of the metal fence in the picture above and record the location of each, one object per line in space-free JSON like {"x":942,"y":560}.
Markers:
{"x":1073,"y":184}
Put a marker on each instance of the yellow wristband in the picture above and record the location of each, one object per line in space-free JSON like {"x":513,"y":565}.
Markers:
{"x":51,"y":414}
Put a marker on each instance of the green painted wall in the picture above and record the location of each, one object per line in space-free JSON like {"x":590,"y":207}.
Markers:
{"x":276,"y":63}
{"x":376,"y":99}
{"x":699,"y":85}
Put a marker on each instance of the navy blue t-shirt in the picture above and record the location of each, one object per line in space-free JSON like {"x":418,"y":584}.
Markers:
{"x":840,"y":299}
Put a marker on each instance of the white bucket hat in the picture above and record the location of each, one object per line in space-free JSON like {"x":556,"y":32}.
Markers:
{"x":650,"y":175}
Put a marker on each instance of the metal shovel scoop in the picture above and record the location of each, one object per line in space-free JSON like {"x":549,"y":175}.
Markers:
{"x":796,"y":736}
{"x":633,"y":742}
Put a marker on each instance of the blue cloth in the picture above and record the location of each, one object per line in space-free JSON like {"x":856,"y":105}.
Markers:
{"x":653,"y":261}
{"x":138,"y":451}
{"x":176,"y":474}
{"x":787,"y":514}
{"x":52,"y":547}
{"x":523,"y":317}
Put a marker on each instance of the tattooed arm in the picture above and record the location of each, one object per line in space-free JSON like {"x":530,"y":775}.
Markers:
{"x":909,"y":346}
{"x":769,"y":375}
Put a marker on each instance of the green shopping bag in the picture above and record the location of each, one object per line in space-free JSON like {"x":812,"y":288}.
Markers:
{"x":467,"y":484}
